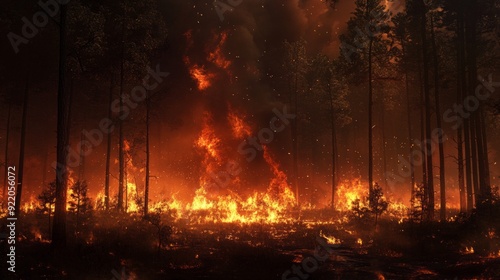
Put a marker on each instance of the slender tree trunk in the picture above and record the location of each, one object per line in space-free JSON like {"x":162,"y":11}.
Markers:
{"x":77,"y":222}
{"x":50,"y":213}
{"x":461,"y":177}
{"x":146,"y":188}
{"x":20,"y":172}
{"x":468,"y":166}
{"x":460,"y":94}
{"x":384,"y":144}
{"x":63,"y":125}
{"x":121,"y":159}
{"x":334,"y":150}
{"x":6,"y":161}
{"x":442,"y":181}
{"x":81,"y":171}
{"x":410,"y":137}
{"x":108,"y":150}
{"x":44,"y":167}
{"x":486,"y":162}
{"x":474,"y":158}
{"x":482,"y":194}
{"x":428,"y":143}
{"x":126,"y":190}
{"x":370,"y":118}
{"x":462,"y":84}
{"x":295,"y":139}
{"x":422,"y":125}
{"x":463,"y":78}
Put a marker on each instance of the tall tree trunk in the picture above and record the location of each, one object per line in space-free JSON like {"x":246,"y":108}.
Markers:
{"x":486,"y":162}
{"x":483,"y":188}
{"x":121,"y":159}
{"x":442,"y":179}
{"x":462,"y":85}
{"x":460,"y":94}
{"x":63,"y":125}
{"x":81,"y":169}
{"x":384,"y":144}
{"x":428,"y":149}
{"x":20,"y":172}
{"x":50,"y":221}
{"x":410,"y":137}
{"x":474,"y":158}
{"x":370,"y":119}
{"x":461,"y":177}
{"x":6,"y":161}
{"x":146,"y":188}
{"x":334,"y":150}
{"x":126,"y":190}
{"x":468,"y":166}
{"x":422,"y":123}
{"x":108,"y":149}
{"x":295,"y":138}
{"x":45,"y":165}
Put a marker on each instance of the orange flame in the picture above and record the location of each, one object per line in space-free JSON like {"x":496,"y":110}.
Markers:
{"x":201,"y":76}
{"x":238,"y":126}
{"x":348,"y":191}
{"x":217,"y":56}
{"x":208,"y":140}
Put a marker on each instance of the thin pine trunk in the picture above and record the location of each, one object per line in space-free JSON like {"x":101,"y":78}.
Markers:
{"x":422,"y":125}
{"x":370,"y":119}
{"x":295,"y":139}
{"x":146,"y":188}
{"x":121,"y":159}
{"x":384,"y":144}
{"x":334,"y":171}
{"x":20,"y":171}
{"x":108,"y":150}
{"x":486,"y":174}
{"x":442,"y":186}
{"x":410,"y":137}
{"x":460,"y":130}
{"x":63,"y":125}
{"x":428,"y":149}
{"x":6,"y":161}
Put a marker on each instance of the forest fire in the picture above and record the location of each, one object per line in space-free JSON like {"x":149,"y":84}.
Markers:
{"x":311,"y":139}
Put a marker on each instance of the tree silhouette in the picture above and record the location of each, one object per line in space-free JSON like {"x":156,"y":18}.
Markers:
{"x":47,"y":199}
{"x":378,"y":204}
{"x":361,"y":47}
{"x":80,"y":204}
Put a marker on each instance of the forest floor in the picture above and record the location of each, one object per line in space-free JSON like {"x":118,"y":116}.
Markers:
{"x":232,"y":251}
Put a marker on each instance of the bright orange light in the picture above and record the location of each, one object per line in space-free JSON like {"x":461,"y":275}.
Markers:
{"x":349,"y":191}
{"x":217,"y":56}
{"x":238,"y":126}
{"x":201,"y":76}
{"x":209,"y":142}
